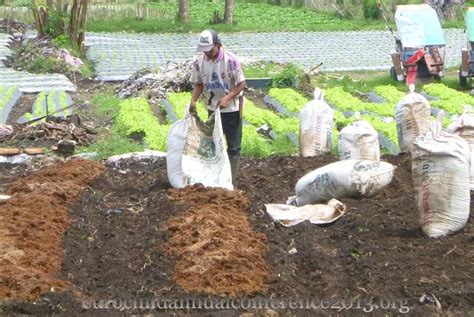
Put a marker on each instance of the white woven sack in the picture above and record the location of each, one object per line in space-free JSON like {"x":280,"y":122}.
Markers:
{"x":174,"y":151}
{"x":464,"y":127}
{"x":359,"y":141}
{"x":440,"y":171}
{"x":316,"y":123}
{"x":197,"y":155}
{"x":343,"y":179}
{"x":289,"y":215}
{"x":413,"y":117}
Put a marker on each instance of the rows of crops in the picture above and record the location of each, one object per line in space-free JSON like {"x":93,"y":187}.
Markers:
{"x":279,"y":134}
{"x":8,"y":97}
{"x":49,"y":102}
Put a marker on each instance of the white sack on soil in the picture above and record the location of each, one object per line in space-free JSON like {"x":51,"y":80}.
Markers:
{"x":316,"y":123}
{"x":440,"y":171}
{"x":5,"y":130}
{"x":413,"y":117}
{"x":196,"y":153}
{"x":289,"y":215}
{"x":464,"y":127}
{"x":15,"y":159}
{"x":134,"y":156}
{"x":359,"y":141}
{"x":343,"y":179}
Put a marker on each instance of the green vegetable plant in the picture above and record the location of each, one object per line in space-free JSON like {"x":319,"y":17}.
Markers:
{"x":345,"y":101}
{"x":180,"y":100}
{"x":39,"y":110}
{"x":254,"y":144}
{"x":288,"y":77}
{"x":289,"y":98}
{"x":390,"y":93}
{"x":136,"y":117}
{"x":341,"y":120}
{"x":450,"y":100}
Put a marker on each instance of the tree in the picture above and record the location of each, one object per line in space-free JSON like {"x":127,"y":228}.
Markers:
{"x":229,"y":12}
{"x":77,"y":23}
{"x":50,"y":19}
{"x":184,"y":10}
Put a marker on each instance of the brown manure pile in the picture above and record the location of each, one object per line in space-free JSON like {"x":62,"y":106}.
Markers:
{"x":218,"y":252}
{"x":32,"y":225}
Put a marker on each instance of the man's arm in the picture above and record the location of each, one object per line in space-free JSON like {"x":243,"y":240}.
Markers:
{"x":197,"y":91}
{"x":224,"y":101}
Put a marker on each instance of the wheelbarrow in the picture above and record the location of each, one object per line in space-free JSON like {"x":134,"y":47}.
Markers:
{"x":420,"y":43}
{"x":466,"y":70}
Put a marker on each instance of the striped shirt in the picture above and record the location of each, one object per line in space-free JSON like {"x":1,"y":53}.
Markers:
{"x":219,"y":77}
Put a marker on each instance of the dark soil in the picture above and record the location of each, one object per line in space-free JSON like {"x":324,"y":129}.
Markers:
{"x":115,"y":247}
{"x":256,"y":96}
{"x":32,"y":225}
{"x":23,"y":105}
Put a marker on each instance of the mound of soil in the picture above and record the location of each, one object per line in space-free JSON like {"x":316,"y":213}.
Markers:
{"x":219,"y":253}
{"x":32,"y":226}
{"x":117,"y":244}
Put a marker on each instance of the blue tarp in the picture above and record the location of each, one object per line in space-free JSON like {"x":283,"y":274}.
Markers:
{"x":469,"y":19}
{"x":418,"y":26}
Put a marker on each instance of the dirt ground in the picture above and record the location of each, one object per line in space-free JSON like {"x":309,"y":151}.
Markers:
{"x":32,"y":224}
{"x":80,"y":242}
{"x":117,"y":247}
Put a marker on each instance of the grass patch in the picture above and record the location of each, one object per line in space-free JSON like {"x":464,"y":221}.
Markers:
{"x":367,"y":81}
{"x":64,"y":41}
{"x":262,"y":69}
{"x":112,"y":144}
{"x":248,"y":16}
{"x":105,"y":103}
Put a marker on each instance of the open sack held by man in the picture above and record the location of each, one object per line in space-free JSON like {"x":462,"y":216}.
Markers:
{"x":196,"y":152}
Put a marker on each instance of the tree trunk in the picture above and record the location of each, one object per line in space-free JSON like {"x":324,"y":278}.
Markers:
{"x":82,"y":25}
{"x":184,"y":10}
{"x":78,"y":22}
{"x":40,"y":15}
{"x":73,"y":19}
{"x":229,"y":12}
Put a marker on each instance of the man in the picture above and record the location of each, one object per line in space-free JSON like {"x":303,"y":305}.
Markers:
{"x":218,"y":71}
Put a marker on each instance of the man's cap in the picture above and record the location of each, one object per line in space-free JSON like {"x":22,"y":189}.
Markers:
{"x":207,"y":39}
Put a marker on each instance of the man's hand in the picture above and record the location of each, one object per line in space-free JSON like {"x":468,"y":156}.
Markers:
{"x":224,"y":101}
{"x":192,"y":109}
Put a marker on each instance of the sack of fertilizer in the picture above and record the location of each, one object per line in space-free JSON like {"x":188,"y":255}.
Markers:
{"x":413,"y":117}
{"x":464,"y":127}
{"x":316,"y":123}
{"x":196,"y":153}
{"x":343,"y":179}
{"x":359,"y":141}
{"x":440,"y":172}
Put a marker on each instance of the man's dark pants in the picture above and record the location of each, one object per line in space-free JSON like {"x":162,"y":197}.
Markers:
{"x":232,"y":127}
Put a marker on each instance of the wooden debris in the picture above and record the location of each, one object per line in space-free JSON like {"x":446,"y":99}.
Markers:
{"x":6,"y":151}
{"x":53,"y":131}
{"x":34,"y":150}
{"x":9,"y":151}
{"x":66,"y":146}
{"x":173,"y":77}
